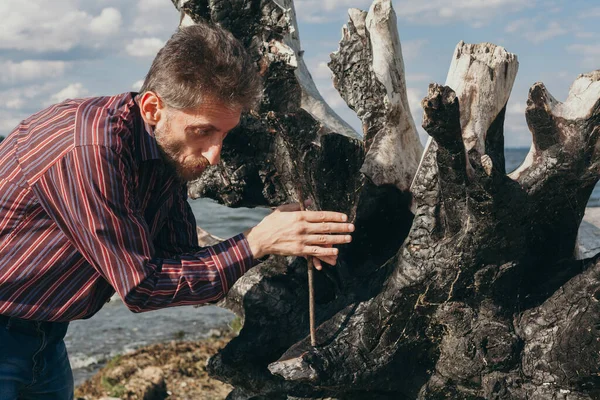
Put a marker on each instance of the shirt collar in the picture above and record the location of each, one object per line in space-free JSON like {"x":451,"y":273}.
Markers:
{"x":146,"y":146}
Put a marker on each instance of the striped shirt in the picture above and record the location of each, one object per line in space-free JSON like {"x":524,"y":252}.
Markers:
{"x":87,"y":207}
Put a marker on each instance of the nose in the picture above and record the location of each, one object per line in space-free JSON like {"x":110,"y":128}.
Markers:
{"x":213,"y":154}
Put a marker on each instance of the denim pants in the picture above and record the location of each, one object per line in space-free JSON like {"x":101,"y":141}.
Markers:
{"x":33,"y":360}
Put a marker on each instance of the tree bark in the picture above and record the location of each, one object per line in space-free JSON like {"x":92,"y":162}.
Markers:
{"x":477,"y":295}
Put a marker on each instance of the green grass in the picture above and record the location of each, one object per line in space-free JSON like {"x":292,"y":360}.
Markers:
{"x":236,"y":325}
{"x":113,"y":362}
{"x":113,"y":389}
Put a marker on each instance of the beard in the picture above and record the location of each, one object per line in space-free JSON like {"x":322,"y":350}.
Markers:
{"x":171,"y":151}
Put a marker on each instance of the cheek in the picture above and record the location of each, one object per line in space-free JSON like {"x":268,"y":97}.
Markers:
{"x":198,"y":145}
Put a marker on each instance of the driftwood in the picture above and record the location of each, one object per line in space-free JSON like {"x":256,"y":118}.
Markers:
{"x":475,"y":294}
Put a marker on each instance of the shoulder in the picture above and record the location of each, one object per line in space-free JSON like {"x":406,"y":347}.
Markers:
{"x":106,"y":121}
{"x":51,"y":134}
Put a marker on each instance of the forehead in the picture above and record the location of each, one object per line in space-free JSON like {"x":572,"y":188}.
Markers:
{"x":220,"y":115}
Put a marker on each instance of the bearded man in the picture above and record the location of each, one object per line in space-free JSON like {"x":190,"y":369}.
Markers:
{"x":93,"y":200}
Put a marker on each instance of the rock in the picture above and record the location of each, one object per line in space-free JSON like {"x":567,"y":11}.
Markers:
{"x":147,"y":384}
{"x":174,"y":370}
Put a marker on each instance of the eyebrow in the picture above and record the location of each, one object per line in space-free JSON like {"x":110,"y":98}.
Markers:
{"x":209,"y":127}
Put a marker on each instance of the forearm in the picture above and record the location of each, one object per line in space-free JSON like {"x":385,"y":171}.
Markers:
{"x":192,"y":279}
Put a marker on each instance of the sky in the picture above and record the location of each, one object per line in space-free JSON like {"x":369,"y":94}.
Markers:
{"x":59,"y":49}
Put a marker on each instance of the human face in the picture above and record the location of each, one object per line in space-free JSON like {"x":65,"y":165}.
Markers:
{"x":191,"y":140}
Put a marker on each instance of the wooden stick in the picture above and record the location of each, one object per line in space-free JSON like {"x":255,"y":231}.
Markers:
{"x":311,"y":287}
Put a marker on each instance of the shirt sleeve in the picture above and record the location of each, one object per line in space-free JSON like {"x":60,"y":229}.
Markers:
{"x":89,"y":194}
{"x":179,"y":234}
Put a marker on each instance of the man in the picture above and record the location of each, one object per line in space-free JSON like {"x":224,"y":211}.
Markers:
{"x":93,"y":201}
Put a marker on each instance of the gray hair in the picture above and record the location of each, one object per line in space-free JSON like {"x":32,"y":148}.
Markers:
{"x":200,"y":61}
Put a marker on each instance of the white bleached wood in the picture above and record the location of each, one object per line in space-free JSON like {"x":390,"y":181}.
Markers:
{"x":582,"y":99}
{"x":482,"y":75}
{"x":311,"y":100}
{"x":579,"y":105}
{"x":184,"y":19}
{"x":396,"y":150}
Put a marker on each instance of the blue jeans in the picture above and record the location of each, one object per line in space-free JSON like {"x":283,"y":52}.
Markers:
{"x":33,"y":360}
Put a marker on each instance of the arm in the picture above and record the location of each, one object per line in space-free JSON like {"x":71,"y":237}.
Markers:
{"x":88,"y":193}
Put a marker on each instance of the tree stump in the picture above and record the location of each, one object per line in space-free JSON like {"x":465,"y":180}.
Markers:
{"x":475,"y":293}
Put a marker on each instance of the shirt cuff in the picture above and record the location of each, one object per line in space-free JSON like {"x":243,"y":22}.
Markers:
{"x":232,"y":258}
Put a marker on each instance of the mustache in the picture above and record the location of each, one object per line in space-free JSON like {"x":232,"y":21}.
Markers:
{"x":201,"y":162}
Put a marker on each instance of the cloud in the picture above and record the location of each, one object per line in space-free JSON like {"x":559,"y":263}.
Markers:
{"x":589,"y":53}
{"x":137,"y":85}
{"x":14,"y":104}
{"x":9,"y":121}
{"x":414,"y":102}
{"x":24,"y":94}
{"x":415,"y":96}
{"x":41,"y":26}
{"x":591,"y":13}
{"x":304,"y":6}
{"x":332,"y":96}
{"x":531,"y":30}
{"x":317,"y":65}
{"x":323,"y":11}
{"x":18,"y":103}
{"x":520,"y":24}
{"x":473,"y":12}
{"x":516,"y":108}
{"x":73,"y":91}
{"x":516,"y":132}
{"x":154,"y":17}
{"x":431,"y":12}
{"x":418,"y":78}
{"x":411,"y":49}
{"x":553,"y":29}
{"x":108,"y":22}
{"x":29,"y":70}
{"x":144,"y":47}
{"x":154,"y":5}
{"x":322,"y":71}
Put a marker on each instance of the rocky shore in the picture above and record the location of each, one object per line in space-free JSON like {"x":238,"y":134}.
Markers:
{"x":175,"y":370}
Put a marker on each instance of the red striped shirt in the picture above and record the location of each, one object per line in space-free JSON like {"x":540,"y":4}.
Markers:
{"x":87,"y":207}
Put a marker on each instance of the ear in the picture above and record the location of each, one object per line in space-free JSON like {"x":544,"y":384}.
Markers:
{"x":151,"y":107}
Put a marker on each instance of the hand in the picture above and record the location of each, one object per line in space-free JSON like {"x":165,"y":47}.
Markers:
{"x":291,"y":232}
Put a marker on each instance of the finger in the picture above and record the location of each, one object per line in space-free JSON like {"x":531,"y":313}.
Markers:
{"x":328,"y":260}
{"x":293,"y":206}
{"x":328,"y":227}
{"x":324,"y":216}
{"x":317,"y":263}
{"x":320,"y":252}
{"x":328,"y":240}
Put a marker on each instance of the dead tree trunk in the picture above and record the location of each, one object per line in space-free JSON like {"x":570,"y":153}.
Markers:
{"x":477,"y":297}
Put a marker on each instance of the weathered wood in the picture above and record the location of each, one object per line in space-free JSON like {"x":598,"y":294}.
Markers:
{"x":276,"y":149}
{"x":477,"y":297}
{"x":369,"y":74}
{"x":450,"y":319}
